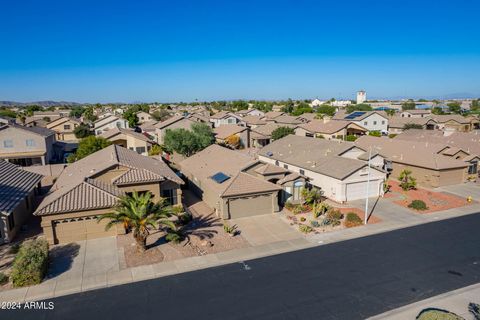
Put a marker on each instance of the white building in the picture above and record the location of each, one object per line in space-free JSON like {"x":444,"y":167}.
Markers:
{"x":370,"y":120}
{"x":341,"y":103}
{"x":316,"y":103}
{"x":361,"y":96}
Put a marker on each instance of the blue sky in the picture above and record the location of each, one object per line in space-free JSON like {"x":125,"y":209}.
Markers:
{"x":112,"y":51}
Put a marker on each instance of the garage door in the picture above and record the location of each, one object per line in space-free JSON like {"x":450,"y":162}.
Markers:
{"x":358,"y":190}
{"x":70,"y":230}
{"x":250,"y":206}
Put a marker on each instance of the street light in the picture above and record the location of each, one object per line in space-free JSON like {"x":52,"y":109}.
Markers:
{"x":368,"y":185}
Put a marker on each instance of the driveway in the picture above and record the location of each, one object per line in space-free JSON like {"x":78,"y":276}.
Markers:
{"x":463,"y":190}
{"x":259,"y":230}
{"x":84,"y":259}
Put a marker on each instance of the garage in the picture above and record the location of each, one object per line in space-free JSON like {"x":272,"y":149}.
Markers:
{"x":250,"y":206}
{"x":358,"y":190}
{"x":83,"y":228}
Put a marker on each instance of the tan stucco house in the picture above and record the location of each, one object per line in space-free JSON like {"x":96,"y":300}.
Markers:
{"x":329,"y":129}
{"x":129,"y":139}
{"x":26,"y":146}
{"x":92,"y":186}
{"x":64,"y":128}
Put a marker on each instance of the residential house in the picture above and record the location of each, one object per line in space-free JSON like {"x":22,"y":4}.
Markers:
{"x":144,"y":117}
{"x":330,"y":129}
{"x":175,"y":122}
{"x":285,"y":120}
{"x":17,"y":198}
{"x":429,"y":166}
{"x":108,"y":123}
{"x":254,"y":121}
{"x":251,"y":112}
{"x":338,"y":168}
{"x":129,"y":139}
{"x":316,"y":103}
{"x":260,"y":136}
{"x":26,"y":146}
{"x":417,"y":113}
{"x":396,"y":124}
{"x":7,"y":120}
{"x":307,"y":117}
{"x":455,"y":122}
{"x":370,"y":120}
{"x":224,"y":133}
{"x":271,"y":115}
{"x":216,"y":175}
{"x":225,"y":117}
{"x":50,"y":115}
{"x":64,"y":128}
{"x":93,"y":185}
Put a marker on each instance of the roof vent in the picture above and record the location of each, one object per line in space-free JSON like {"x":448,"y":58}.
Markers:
{"x":269,"y":153}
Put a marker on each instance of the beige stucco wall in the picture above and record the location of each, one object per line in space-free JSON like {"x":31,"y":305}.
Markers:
{"x":245,"y":206}
{"x":428,"y":177}
{"x":20,"y":216}
{"x":19,"y":138}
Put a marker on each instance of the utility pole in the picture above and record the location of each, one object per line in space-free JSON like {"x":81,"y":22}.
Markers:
{"x":368,"y":185}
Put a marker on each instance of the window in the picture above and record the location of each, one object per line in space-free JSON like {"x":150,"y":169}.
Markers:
{"x":11,"y":222}
{"x":365,"y":123}
{"x":66,"y":127}
{"x":140,"y":150}
{"x":8,"y":143}
{"x":170,"y":195}
{"x":285,"y":166}
{"x":374,"y":123}
{"x":472,"y":169}
{"x":230,"y":120}
{"x":302,"y":172}
{"x":119,"y":124}
{"x":383,"y":121}
{"x":30,"y":143}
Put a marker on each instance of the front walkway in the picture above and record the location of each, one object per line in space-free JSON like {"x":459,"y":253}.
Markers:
{"x":455,"y":301}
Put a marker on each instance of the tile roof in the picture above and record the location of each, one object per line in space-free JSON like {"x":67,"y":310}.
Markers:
{"x":317,"y":155}
{"x":168,"y":122}
{"x":450,"y":117}
{"x":227,"y":130}
{"x":15,"y":185}
{"x":286,"y":119}
{"x":244,"y":184}
{"x":223,"y":114}
{"x":270,"y":169}
{"x":319,"y":126}
{"x":420,"y":154}
{"x":273,"y":114}
{"x":400,"y":122}
{"x":139,"y":169}
{"x":44,"y":132}
{"x":257,"y":120}
{"x":116,"y":131}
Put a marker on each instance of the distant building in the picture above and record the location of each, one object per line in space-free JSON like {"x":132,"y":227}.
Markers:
{"x":316,"y":103}
{"x":341,"y":103}
{"x":361,"y":96}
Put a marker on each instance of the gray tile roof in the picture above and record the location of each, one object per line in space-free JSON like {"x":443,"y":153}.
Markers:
{"x":15,"y":185}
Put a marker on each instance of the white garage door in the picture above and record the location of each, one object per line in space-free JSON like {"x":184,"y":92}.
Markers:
{"x":250,"y":206}
{"x":358,"y":190}
{"x":85,"y":228}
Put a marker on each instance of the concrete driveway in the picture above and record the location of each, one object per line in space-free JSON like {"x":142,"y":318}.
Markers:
{"x":84,"y":259}
{"x":263,"y":229}
{"x":463,"y":190}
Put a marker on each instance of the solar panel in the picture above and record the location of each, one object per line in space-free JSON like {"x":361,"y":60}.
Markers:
{"x":220,"y":177}
{"x":355,"y":115}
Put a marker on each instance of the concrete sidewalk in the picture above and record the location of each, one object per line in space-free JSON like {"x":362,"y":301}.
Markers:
{"x":392,"y":215}
{"x":454,"y":301}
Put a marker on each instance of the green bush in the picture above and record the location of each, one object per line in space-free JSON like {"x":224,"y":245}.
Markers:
{"x":305,"y":229}
{"x":437,"y":314}
{"x":418,"y":205}
{"x":334,"y":215}
{"x":350,"y":138}
{"x":174,"y":236}
{"x":352,"y":220}
{"x":30,"y":264}
{"x":392,"y":135}
{"x":375,"y":133}
{"x":3,"y":278}
{"x":314,"y":224}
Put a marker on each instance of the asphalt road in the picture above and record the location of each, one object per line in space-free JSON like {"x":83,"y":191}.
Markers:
{"x":347,"y":280}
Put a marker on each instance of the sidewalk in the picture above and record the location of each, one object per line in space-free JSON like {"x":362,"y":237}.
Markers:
{"x":454,"y":301}
{"x":393,"y":217}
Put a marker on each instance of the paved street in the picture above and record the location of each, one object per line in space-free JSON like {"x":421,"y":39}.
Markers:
{"x":352,"y":279}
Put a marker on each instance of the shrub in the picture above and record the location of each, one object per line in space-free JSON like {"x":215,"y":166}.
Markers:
{"x":334,"y":215}
{"x":437,"y":314}
{"x":418,"y":205}
{"x":290,"y":206}
{"x":3,"y":278}
{"x":174,"y":236}
{"x":407,"y":182}
{"x":232,"y":230}
{"x":185,"y":218}
{"x":30,"y":264}
{"x":303,"y":219}
{"x":350,"y":138}
{"x":375,"y":133}
{"x":352,"y":220}
{"x":314,"y":224}
{"x":392,"y":135}
{"x":305,"y":229}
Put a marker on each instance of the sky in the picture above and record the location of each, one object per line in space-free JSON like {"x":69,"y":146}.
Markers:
{"x":167,"y":51}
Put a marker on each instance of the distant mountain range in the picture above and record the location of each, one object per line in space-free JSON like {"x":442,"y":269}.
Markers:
{"x":38,"y":103}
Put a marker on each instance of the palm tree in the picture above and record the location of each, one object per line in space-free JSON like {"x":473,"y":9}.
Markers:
{"x":407,"y":182}
{"x":139,"y":212}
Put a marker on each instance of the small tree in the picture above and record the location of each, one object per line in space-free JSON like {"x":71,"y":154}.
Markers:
{"x":233,"y":141}
{"x":155,"y":150}
{"x":87,"y":146}
{"x":408,"y":105}
{"x":139,"y":212}
{"x":281,"y":132}
{"x":161,"y":115}
{"x":81,"y":131}
{"x":131,"y":116}
{"x":187,"y":142}
{"x":407,"y":182}
{"x":375,"y":133}
{"x":409,"y":126}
